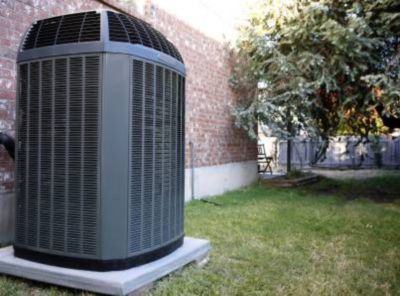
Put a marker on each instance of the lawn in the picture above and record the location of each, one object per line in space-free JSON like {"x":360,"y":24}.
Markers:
{"x":331,"y":238}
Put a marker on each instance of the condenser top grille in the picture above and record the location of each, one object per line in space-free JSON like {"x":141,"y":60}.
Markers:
{"x":72,"y":28}
{"x":109,"y":29}
{"x":123,"y":28}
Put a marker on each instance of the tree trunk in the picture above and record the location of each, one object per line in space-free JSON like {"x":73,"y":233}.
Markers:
{"x":289,"y":145}
{"x":289,"y":156}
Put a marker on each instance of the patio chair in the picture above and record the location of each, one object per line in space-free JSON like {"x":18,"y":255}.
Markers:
{"x":264,"y":161}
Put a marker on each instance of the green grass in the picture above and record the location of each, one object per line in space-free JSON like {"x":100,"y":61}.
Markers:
{"x":326,"y":239}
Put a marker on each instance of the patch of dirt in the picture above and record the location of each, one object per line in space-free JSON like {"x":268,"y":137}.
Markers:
{"x":358,"y":191}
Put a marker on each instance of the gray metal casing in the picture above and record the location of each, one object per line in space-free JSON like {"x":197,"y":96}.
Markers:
{"x":117,"y":189}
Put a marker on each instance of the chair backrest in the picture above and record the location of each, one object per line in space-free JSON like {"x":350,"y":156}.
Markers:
{"x":261,"y":150}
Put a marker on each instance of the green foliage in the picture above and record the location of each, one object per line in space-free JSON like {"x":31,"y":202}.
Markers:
{"x":320,"y":66}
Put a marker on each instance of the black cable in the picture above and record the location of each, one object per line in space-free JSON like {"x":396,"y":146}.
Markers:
{"x":8,"y":143}
{"x":211,"y":202}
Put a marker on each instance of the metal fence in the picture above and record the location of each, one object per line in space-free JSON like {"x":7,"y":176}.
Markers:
{"x":343,"y":152}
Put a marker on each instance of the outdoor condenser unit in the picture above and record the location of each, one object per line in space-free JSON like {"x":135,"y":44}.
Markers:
{"x":100,"y":143}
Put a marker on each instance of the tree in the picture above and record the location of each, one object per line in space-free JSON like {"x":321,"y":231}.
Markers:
{"x":322,"y":67}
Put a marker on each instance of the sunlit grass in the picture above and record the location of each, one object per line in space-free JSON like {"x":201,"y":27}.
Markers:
{"x":308,"y":241}
{"x":295,"y":242}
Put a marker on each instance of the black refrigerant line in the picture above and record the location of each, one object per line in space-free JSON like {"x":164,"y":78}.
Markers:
{"x":8,"y":143}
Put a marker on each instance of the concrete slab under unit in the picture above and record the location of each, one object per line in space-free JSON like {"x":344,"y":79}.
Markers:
{"x":111,"y":282}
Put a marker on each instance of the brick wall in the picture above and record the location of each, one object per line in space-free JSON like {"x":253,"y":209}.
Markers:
{"x":209,"y":124}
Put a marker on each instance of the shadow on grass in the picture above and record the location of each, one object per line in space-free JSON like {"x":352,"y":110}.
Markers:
{"x":384,"y":189}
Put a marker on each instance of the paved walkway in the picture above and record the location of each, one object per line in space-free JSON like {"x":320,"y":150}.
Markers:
{"x":355,"y":174}
{"x":340,"y":174}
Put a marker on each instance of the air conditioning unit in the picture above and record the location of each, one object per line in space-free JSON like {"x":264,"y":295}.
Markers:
{"x":100,"y":143}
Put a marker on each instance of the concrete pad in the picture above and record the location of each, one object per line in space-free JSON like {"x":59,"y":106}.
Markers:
{"x":110,"y":282}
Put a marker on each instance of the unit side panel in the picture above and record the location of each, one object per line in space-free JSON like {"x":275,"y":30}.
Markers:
{"x":58,"y":155}
{"x":155,"y":157}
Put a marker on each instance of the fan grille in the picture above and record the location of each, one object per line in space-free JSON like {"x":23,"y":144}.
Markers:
{"x":72,"y":28}
{"x":123,"y":28}
{"x":85,"y":27}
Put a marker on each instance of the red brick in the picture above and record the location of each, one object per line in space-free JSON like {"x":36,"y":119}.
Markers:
{"x":5,"y":42}
{"x":7,"y":95}
{"x":209,"y":99}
